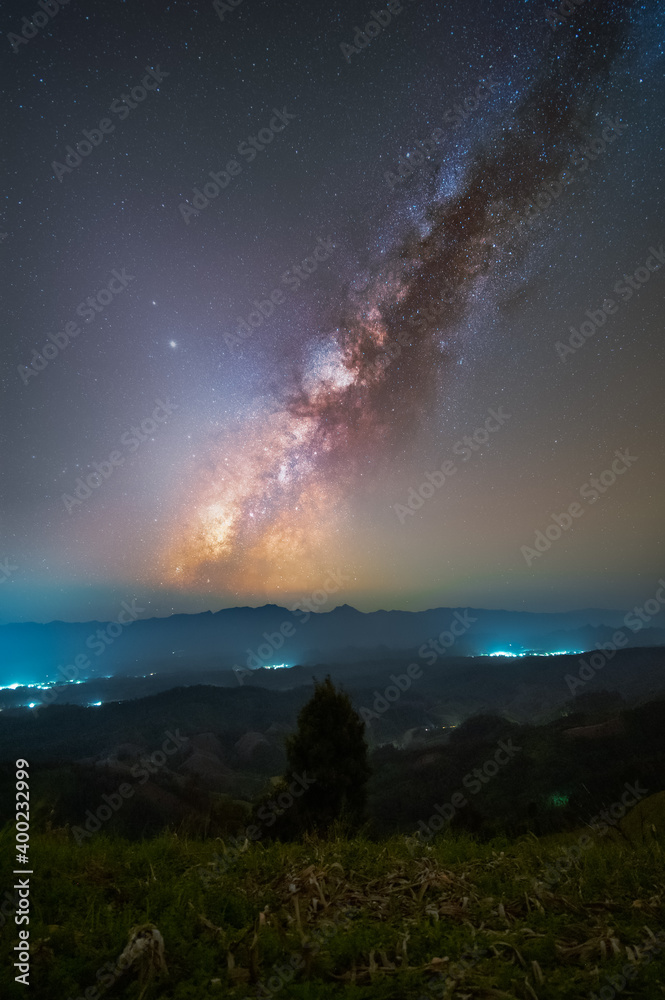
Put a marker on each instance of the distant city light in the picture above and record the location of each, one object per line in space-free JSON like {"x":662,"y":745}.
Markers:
{"x":13,"y":687}
{"x":275,"y":666}
{"x":531,"y":652}
{"x":94,"y":704}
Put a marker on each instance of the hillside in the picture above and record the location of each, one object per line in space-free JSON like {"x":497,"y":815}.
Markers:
{"x":230,"y":745}
{"x":348,"y":918}
{"x":251,"y":637}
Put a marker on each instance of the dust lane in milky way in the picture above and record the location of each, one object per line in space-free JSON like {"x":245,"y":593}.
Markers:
{"x":441,"y":289}
{"x":265,"y":516}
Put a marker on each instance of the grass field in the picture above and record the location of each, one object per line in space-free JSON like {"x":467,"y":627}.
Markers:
{"x":343,"y":918}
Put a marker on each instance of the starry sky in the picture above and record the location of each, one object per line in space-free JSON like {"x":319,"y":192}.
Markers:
{"x":357,"y":349}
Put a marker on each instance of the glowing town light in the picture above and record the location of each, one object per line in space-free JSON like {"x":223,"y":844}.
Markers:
{"x":14,"y":687}
{"x":531,"y":652}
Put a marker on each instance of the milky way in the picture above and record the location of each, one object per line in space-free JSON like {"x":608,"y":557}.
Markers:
{"x":288,"y":452}
{"x":280,"y":489}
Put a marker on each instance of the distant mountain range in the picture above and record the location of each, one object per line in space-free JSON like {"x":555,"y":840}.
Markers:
{"x":270,"y":635}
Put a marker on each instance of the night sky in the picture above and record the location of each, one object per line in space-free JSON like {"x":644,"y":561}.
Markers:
{"x":263,"y":379}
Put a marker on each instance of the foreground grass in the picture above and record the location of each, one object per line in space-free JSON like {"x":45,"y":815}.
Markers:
{"x":360,"y":919}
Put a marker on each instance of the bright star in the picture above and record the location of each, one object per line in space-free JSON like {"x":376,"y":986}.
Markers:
{"x":172,"y":343}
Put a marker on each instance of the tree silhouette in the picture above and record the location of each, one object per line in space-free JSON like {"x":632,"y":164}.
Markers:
{"x":329,"y":746}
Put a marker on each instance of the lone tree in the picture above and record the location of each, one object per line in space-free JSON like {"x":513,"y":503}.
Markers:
{"x":330,"y":747}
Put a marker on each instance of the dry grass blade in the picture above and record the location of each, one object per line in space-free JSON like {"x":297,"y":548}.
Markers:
{"x":601,"y":944}
{"x":516,"y":951}
{"x":530,"y":990}
{"x":296,"y":907}
{"x":145,"y":952}
{"x":403,"y":945}
{"x":435,"y":964}
{"x":254,"y":959}
{"x":208,"y":924}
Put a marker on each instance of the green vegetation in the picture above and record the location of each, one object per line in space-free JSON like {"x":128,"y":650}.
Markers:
{"x":537,"y":871}
{"x":329,"y":747}
{"x":565,"y":772}
{"x":363,"y":919}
